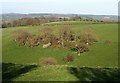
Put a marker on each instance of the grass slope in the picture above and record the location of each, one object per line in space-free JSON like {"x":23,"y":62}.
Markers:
{"x":16,"y":72}
{"x":100,"y":54}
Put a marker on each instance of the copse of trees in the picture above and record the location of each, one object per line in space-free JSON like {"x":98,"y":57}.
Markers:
{"x":66,"y":38}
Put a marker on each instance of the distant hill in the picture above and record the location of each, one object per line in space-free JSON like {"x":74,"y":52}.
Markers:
{"x":101,"y":17}
{"x":13,"y":16}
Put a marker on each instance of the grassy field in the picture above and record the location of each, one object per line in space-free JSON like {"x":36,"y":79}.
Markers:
{"x":100,"y":55}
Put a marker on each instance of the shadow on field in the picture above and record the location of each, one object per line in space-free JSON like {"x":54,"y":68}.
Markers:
{"x":11,"y":71}
{"x":95,"y":74}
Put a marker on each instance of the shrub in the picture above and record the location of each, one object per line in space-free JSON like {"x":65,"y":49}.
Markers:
{"x":33,"y":41}
{"x":65,"y":35}
{"x":68,"y":58}
{"x":48,"y":61}
{"x":55,"y":42}
{"x":88,"y":38}
{"x":81,"y":47}
{"x":21,"y":36}
{"x":48,"y":36}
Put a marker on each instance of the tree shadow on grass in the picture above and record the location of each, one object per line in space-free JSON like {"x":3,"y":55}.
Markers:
{"x":11,"y":71}
{"x":95,"y":74}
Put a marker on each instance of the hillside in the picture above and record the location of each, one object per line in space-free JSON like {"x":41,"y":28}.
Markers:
{"x":21,"y":63}
{"x":14,"y":16}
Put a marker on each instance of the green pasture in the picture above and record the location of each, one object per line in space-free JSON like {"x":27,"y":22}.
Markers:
{"x":100,"y":55}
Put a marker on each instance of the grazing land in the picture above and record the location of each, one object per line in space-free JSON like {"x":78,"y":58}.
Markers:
{"x":25,"y":61}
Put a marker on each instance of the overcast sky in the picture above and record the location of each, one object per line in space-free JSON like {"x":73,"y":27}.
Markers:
{"x":99,"y":7}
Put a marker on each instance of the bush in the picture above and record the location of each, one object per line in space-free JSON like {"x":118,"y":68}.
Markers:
{"x":48,"y":61}
{"x":66,"y":33}
{"x":33,"y":41}
{"x":68,"y":58}
{"x":21,"y":36}
{"x":48,"y":36}
{"x":81,"y":47}
{"x":55,"y":42}
{"x":88,"y":38}
{"x":25,"y":38}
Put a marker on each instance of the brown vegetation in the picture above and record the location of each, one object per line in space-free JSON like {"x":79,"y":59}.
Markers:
{"x":42,"y":20}
{"x":65,"y":38}
{"x":68,"y":58}
{"x":88,"y":38}
{"x":66,"y":34}
{"x":81,"y":47}
{"x":33,"y":41}
{"x":21,"y":36}
{"x":48,"y":61}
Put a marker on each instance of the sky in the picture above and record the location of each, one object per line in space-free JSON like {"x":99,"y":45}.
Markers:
{"x":96,"y":7}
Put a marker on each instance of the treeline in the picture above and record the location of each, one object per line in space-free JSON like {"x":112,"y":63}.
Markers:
{"x":37,"y":21}
{"x":40,"y":20}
